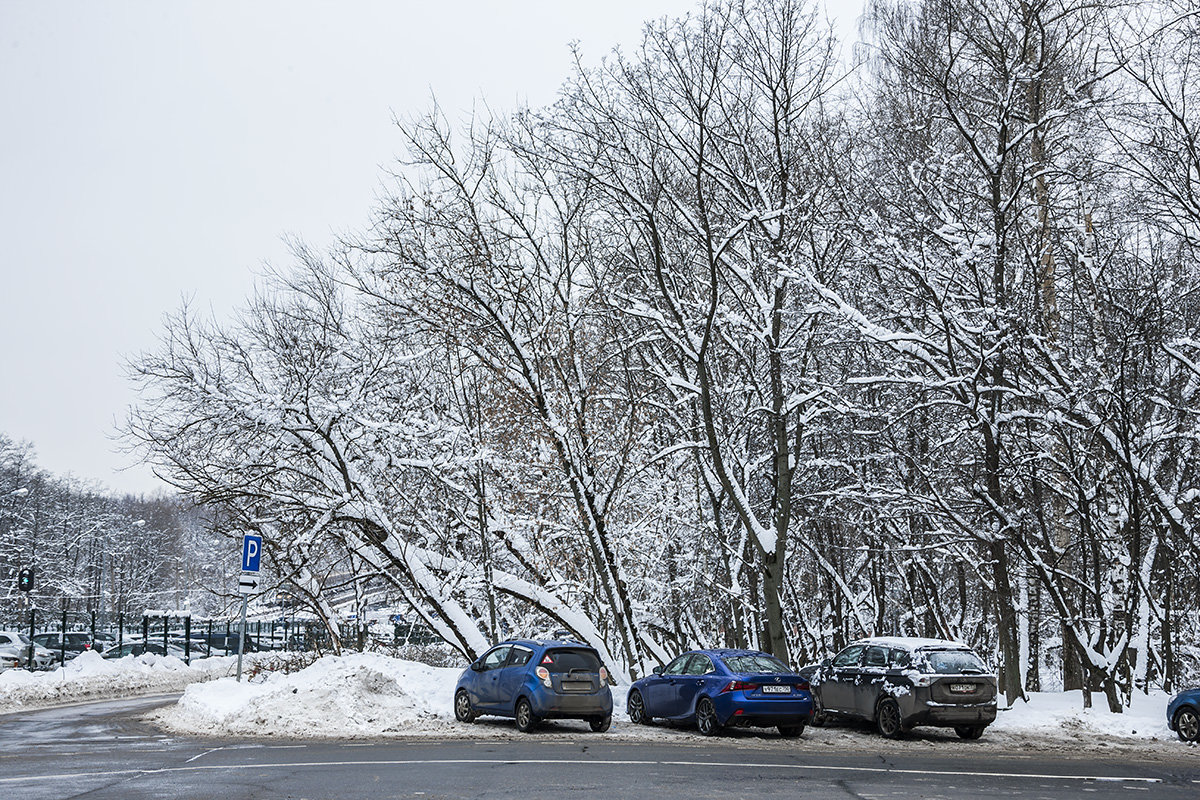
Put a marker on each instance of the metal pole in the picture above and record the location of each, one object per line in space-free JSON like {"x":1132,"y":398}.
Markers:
{"x":166,"y":619}
{"x":32,"y":621}
{"x":241,"y":637}
{"x":187,"y":640}
{"x":62,"y":638}
{"x":120,"y":630}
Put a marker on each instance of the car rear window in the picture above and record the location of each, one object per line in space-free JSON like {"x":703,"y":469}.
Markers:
{"x":766,"y":664}
{"x":565,"y":660}
{"x":953,"y":662}
{"x":77,"y":638}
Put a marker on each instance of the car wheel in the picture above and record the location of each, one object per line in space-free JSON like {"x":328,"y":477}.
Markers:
{"x":706,"y":718}
{"x":969,"y":731}
{"x":1187,"y":725}
{"x":888,"y":719}
{"x":791,"y":731}
{"x":600,"y":724}
{"x":526,"y":719}
{"x":462,"y":707}
{"x":636,"y":708}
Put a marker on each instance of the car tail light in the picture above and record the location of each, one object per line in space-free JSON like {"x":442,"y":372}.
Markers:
{"x":603,"y":676}
{"x":924,"y":680}
{"x":544,"y":674}
{"x":803,"y":686}
{"x":739,"y":686}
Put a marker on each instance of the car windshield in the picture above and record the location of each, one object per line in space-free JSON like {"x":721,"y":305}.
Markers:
{"x":565,"y":660}
{"x":953,"y":662}
{"x":24,"y":639}
{"x":768,"y":664}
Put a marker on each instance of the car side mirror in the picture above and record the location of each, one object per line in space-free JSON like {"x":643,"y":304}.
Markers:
{"x":827,"y":663}
{"x":476,"y":666}
{"x":657,"y":670}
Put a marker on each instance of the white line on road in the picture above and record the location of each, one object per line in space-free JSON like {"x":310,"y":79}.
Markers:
{"x":926,"y":773}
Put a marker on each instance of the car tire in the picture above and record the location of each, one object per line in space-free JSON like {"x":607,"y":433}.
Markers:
{"x":635,"y":707}
{"x":600,"y":724}
{"x":791,"y":731}
{"x":969,"y":731}
{"x":888,"y":719}
{"x":706,"y":718}
{"x":462,"y":707}
{"x":526,"y":719}
{"x":1187,"y":725}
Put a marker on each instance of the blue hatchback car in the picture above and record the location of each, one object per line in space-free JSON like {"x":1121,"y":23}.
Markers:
{"x":1183,"y":715}
{"x":534,"y":680}
{"x":719,"y":688}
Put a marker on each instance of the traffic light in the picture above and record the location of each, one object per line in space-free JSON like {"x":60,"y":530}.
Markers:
{"x":25,"y":579}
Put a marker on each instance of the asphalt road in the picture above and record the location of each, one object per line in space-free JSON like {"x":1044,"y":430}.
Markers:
{"x":104,"y":751}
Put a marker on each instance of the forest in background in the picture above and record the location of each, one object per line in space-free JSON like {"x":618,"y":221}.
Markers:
{"x":738,"y":345}
{"x":94,"y":552}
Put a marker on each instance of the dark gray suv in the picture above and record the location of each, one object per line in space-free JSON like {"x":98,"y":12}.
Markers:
{"x":898,"y":683}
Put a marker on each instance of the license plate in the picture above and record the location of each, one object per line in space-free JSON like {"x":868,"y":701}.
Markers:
{"x":576,"y":686}
{"x":777,"y":689}
{"x":962,"y":688}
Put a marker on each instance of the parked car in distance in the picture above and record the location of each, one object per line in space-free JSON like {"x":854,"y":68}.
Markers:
{"x":103,"y":641}
{"x":535,"y":680}
{"x":226,"y":644}
{"x":19,"y":642}
{"x":900,"y":682}
{"x":9,"y":658}
{"x":76,"y":642}
{"x":140,"y":648}
{"x":719,"y":688}
{"x":1183,"y":715}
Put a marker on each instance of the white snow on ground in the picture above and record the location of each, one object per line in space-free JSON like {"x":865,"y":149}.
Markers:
{"x":1062,"y":714}
{"x":369,"y":695}
{"x":364,"y":694}
{"x":91,"y":677}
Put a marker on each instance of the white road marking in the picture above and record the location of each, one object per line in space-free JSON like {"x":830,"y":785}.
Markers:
{"x":201,"y":755}
{"x":924,"y":773}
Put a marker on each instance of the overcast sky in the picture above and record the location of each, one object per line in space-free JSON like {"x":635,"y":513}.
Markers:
{"x":155,"y":151}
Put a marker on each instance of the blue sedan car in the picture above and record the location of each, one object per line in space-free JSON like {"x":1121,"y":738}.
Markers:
{"x":536,"y":680}
{"x":719,"y":688}
{"x":1183,"y":715}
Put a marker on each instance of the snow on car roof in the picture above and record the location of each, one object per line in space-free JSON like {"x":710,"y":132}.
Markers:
{"x":912,"y":643}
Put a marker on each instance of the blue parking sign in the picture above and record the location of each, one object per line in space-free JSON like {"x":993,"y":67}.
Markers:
{"x":251,"y":552}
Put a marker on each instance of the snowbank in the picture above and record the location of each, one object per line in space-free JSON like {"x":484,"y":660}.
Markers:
{"x":363,"y":694}
{"x":91,"y":677}
{"x":1061,"y":714}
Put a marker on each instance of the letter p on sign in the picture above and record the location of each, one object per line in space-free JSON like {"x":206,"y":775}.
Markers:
{"x":251,"y":552}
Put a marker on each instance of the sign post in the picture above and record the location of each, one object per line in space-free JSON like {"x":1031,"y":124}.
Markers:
{"x":247,"y":583}
{"x":25,"y":584}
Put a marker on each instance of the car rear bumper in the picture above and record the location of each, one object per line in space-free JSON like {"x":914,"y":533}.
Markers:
{"x":572,"y":706}
{"x":737,"y":707}
{"x":949,"y":715}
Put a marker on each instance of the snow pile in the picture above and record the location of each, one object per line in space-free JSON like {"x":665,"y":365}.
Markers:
{"x":1062,"y":715}
{"x":91,"y":677}
{"x":362,"y":694}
